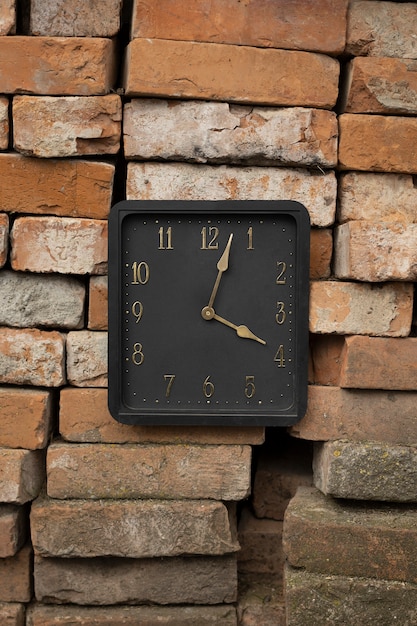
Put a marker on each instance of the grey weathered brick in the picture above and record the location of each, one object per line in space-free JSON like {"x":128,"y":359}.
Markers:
{"x":22,"y":473}
{"x":366,"y":471}
{"x":77,"y":18}
{"x":12,"y":529}
{"x":8,"y":17}
{"x":87,"y":358}
{"x":131,"y":528}
{"x":217,"y":132}
{"x":104,"y":581}
{"x":47,"y":301}
{"x":4,"y":123}
{"x":12,"y":614}
{"x":186,"y":181}
{"x":4,"y":238}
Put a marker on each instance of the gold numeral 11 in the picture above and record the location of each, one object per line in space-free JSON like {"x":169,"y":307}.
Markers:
{"x":165,"y":238}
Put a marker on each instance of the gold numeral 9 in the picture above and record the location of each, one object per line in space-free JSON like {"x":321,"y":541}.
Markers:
{"x":137,"y":310}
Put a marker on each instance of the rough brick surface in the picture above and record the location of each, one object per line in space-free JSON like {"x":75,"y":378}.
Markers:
{"x":85,"y":418}
{"x":48,"y":301}
{"x":97,"y":303}
{"x":39,"y":615}
{"x":278,"y":25}
{"x":381,"y":85}
{"x":74,"y":188}
{"x":131,"y":528}
{"x":186,"y":181}
{"x":379,"y":363}
{"x":4,"y":122}
{"x":260,"y":601}
{"x":7,"y":17}
{"x":68,"y":66}
{"x":377,"y":197}
{"x":313,"y":599}
{"x":16,"y":576}
{"x":359,"y":415}
{"x":361,"y":309}
{"x":31,"y":357}
{"x":59,"y":244}
{"x":22,"y":473}
{"x":48,"y":126}
{"x":12,"y":529}
{"x":321,"y":250}
{"x":366,"y":471}
{"x":389,"y":136}
{"x":219,"y":132}
{"x":4,"y":238}
{"x":12,"y":614}
{"x":382,"y":29}
{"x":25,"y":418}
{"x":87,"y":358}
{"x":325,"y":353}
{"x":78,"y":18}
{"x":372,"y":251}
{"x":261,"y":545}
{"x":210,"y":71}
{"x":104,"y":581}
{"x":278,"y":475}
{"x":148,"y":471}
{"x":336,"y":534}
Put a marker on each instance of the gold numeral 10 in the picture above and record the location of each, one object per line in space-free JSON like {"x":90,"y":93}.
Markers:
{"x":140,"y":273}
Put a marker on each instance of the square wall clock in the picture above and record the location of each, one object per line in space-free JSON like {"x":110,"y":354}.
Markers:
{"x":208,"y":312}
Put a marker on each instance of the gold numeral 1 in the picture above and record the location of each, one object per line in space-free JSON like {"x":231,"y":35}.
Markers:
{"x":208,"y":238}
{"x":250,"y":386}
{"x":140,"y":273}
{"x":250,"y":238}
{"x":279,"y":356}
{"x":165,"y":238}
{"x":169,"y":379}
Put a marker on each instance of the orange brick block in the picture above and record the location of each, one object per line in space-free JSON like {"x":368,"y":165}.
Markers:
{"x":16,"y":576}
{"x":4,"y":123}
{"x":97,"y":304}
{"x":25,"y":418}
{"x":321,"y":249}
{"x":4,"y":238}
{"x":185,"y":69}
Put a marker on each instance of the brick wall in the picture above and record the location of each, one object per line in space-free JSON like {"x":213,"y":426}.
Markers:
{"x":102,"y":523}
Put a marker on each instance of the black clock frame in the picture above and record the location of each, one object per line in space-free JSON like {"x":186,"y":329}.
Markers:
{"x":253,"y":416}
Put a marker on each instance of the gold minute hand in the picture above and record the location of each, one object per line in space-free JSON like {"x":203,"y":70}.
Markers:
{"x":222,"y":265}
{"x":242,"y":331}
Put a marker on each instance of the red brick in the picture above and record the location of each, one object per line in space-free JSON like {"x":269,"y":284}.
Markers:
{"x":57,"y":66}
{"x":381,"y":85}
{"x":64,"y":245}
{"x":321,"y":250}
{"x":187,"y":181}
{"x":261,"y":545}
{"x":381,"y":29}
{"x":325,"y":351}
{"x":32,"y":357}
{"x":148,"y":471}
{"x":362,"y":309}
{"x":77,"y":18}
{"x":4,"y":123}
{"x":39,"y":615}
{"x":376,"y":251}
{"x":22,"y":473}
{"x":377,"y":197}
{"x":345,"y":538}
{"x":210,"y":71}
{"x":84,"y":417}
{"x":132,"y":528}
{"x":4,"y":238}
{"x":8,"y":17}
{"x":97,"y":303}
{"x":16,"y":576}
{"x":359,"y":415}
{"x":49,"y":126}
{"x":377,"y":143}
{"x":379,"y":363}
{"x":276,"y":24}
{"x":12,"y":529}
{"x":12,"y":614}
{"x":73,"y":188}
{"x":25,"y":418}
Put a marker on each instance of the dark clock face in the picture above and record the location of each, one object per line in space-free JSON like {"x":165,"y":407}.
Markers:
{"x":208,"y":309}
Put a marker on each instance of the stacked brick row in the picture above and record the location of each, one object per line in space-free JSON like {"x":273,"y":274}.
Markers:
{"x":221,"y":100}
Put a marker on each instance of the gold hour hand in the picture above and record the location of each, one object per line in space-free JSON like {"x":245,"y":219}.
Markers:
{"x":243,"y":331}
{"x":222,"y":265}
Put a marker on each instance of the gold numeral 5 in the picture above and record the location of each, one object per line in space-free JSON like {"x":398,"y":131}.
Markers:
{"x":250,"y":386}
